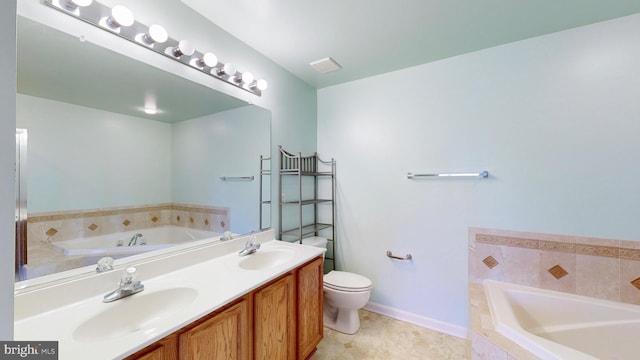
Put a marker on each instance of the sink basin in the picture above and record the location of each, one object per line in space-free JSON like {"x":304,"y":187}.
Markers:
{"x":266,"y":258}
{"x":134,"y":313}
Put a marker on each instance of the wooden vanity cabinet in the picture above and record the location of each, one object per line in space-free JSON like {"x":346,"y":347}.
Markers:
{"x":309,"y":307}
{"x":223,"y":336}
{"x":274,"y":320}
{"x":165,"y":349}
{"x":280,"y":320}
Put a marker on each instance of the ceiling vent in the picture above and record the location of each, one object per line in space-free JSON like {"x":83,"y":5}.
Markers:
{"x":325,"y":65}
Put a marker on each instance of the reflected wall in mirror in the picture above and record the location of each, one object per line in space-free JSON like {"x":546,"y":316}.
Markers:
{"x":101,"y":170}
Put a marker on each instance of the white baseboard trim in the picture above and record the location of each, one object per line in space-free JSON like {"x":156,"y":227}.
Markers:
{"x":433,"y":324}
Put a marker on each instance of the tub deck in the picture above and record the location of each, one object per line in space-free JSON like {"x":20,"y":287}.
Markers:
{"x":556,"y":325}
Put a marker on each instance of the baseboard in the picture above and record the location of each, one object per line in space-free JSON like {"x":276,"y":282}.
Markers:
{"x":433,"y":324}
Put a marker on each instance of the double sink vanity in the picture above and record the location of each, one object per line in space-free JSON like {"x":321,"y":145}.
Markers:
{"x":204,"y":302}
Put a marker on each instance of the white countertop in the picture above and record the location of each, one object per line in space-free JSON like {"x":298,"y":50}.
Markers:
{"x":209,"y":284}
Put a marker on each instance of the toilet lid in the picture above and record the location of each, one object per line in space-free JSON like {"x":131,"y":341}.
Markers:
{"x":315,"y":241}
{"x":346,"y":280}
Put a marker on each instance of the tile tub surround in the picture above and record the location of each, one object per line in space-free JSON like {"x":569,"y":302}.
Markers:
{"x":596,"y":267}
{"x":43,"y":229}
{"x":486,"y":342}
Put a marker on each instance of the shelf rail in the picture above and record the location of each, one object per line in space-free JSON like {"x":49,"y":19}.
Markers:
{"x":481,"y":174}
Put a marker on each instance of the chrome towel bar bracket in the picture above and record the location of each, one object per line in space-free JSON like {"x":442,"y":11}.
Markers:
{"x":406,"y":257}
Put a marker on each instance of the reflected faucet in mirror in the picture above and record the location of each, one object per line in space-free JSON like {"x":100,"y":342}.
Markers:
{"x":134,"y":239}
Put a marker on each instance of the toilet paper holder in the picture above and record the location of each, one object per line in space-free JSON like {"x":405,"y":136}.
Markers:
{"x":406,"y":257}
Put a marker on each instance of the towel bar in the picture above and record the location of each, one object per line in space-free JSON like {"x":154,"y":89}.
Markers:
{"x":247,"y":178}
{"x":482,"y":174}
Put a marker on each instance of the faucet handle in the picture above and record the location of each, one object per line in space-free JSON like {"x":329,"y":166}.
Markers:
{"x":104,"y":264}
{"x":128,"y":276}
{"x":252,"y":242}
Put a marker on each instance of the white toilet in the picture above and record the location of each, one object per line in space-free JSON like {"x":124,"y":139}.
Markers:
{"x":344,"y":294}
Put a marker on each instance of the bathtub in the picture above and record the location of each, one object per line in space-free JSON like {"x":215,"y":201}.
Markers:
{"x":155,"y":238}
{"x":556,"y":325}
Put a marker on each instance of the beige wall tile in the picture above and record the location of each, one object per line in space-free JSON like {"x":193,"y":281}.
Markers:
{"x":515,"y":264}
{"x":598,"y":277}
{"x":629,"y":271}
{"x":567,"y":283}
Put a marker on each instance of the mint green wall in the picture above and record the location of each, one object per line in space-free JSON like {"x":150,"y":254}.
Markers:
{"x":227,"y":143}
{"x":7,"y":159}
{"x":84,"y":158}
{"x":554,"y":120}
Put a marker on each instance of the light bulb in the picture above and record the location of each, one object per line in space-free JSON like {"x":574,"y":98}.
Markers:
{"x":155,"y":34}
{"x":229,"y":69}
{"x":184,"y":48}
{"x":208,"y":59}
{"x":120,"y":16}
{"x":262,"y":84}
{"x":247,"y":77}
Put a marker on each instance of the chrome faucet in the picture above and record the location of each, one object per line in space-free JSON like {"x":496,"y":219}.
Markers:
{"x":250,"y":247}
{"x":134,"y":239}
{"x":127,"y":286}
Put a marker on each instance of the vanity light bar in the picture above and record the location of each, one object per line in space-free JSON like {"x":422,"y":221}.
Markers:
{"x":121,"y":22}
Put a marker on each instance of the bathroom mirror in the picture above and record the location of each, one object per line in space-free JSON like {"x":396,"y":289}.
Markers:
{"x":99,"y":165}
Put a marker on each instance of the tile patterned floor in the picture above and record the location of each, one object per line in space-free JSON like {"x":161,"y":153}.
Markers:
{"x":384,"y":338}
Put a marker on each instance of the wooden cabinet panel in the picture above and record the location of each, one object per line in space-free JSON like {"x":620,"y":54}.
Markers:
{"x":165,"y":349}
{"x":310,"y":321}
{"x":223,"y":336}
{"x":274,"y":320}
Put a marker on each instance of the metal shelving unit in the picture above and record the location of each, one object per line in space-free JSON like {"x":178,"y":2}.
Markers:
{"x":265,"y":188}
{"x":316,"y":171}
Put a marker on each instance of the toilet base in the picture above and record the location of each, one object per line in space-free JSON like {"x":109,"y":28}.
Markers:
{"x":343,"y":320}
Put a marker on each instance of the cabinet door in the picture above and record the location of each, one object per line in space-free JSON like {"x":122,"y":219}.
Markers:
{"x":310,"y":321}
{"x":165,"y":349}
{"x":223,"y":336}
{"x":274,"y":320}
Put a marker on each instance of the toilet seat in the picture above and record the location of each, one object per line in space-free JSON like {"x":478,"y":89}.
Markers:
{"x":346,"y":281}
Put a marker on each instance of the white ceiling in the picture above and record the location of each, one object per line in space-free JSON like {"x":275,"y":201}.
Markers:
{"x":370,"y":37}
